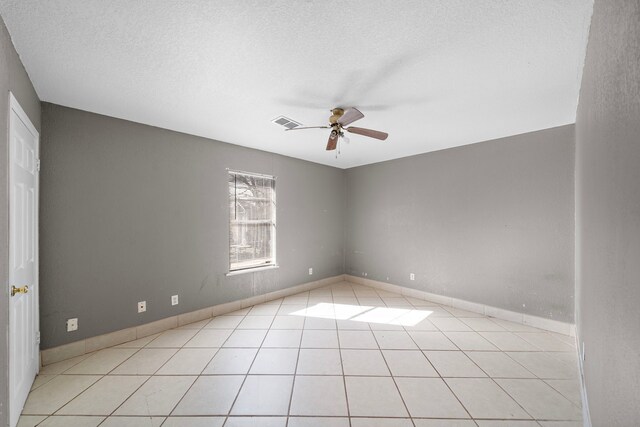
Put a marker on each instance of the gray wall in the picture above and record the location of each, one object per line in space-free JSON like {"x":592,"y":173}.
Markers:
{"x":608,"y":214}
{"x":13,"y":78}
{"x":131,"y":212}
{"x":491,"y":222}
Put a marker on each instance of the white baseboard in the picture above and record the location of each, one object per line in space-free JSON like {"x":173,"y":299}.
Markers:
{"x":487,"y":310}
{"x":88,"y":345}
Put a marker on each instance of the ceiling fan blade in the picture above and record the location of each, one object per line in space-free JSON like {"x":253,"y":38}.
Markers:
{"x":308,"y":127}
{"x":350,"y":115}
{"x":368,"y":132}
{"x":333,"y":141}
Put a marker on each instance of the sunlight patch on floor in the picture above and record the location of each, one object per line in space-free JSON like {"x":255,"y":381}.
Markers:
{"x":369,"y":314}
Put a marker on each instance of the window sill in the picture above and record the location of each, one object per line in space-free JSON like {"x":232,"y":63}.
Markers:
{"x":252,"y":270}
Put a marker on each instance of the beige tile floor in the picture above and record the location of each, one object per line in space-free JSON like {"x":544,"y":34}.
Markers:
{"x":343,"y":355}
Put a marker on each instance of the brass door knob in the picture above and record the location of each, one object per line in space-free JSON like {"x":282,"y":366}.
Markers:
{"x":22,"y":290}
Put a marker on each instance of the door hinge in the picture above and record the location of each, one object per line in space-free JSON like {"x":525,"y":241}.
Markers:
{"x":38,"y":338}
{"x":38,"y":164}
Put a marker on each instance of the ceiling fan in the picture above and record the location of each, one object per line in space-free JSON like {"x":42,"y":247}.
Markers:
{"x":341,"y":117}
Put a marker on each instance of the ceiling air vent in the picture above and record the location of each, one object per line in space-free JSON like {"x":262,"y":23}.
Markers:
{"x":286,"y":122}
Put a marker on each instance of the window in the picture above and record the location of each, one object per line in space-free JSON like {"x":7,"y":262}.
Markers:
{"x":252,"y":232}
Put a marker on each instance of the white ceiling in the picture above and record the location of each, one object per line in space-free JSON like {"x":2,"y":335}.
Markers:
{"x":434,"y":74}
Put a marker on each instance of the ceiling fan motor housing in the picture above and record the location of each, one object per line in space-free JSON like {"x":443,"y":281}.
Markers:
{"x":336,"y":114}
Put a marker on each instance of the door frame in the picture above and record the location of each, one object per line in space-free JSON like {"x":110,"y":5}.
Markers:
{"x":14,"y":107}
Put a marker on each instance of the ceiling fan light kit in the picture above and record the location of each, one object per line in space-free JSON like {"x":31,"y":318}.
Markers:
{"x":341,"y":117}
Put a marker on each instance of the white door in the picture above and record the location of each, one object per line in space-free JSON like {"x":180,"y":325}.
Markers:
{"x":24,"y":150}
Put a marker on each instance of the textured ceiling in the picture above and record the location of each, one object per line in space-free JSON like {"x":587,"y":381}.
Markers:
{"x":434,"y":74}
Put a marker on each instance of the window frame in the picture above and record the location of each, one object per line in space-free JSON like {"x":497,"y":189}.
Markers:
{"x":272,"y":263}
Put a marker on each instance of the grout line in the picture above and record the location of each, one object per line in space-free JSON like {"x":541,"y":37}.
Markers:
{"x":102,"y":376}
{"x":487,"y":376}
{"x":513,"y":398}
{"x":440,"y":375}
{"x":348,"y":375}
{"x":199,"y":376}
{"x":295,"y":371}
{"x":344,"y":377}
{"x":406,"y":408}
{"x":157,"y":370}
{"x":138,"y":388}
{"x":254,"y":357}
{"x":559,"y":392}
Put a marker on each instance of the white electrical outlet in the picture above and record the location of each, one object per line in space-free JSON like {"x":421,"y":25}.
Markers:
{"x":142,"y":306}
{"x":72,"y":324}
{"x":310,"y":271}
{"x":412,"y":276}
{"x":174,"y":300}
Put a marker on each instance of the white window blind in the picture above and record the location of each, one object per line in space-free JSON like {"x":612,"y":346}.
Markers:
{"x":252,"y":232}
